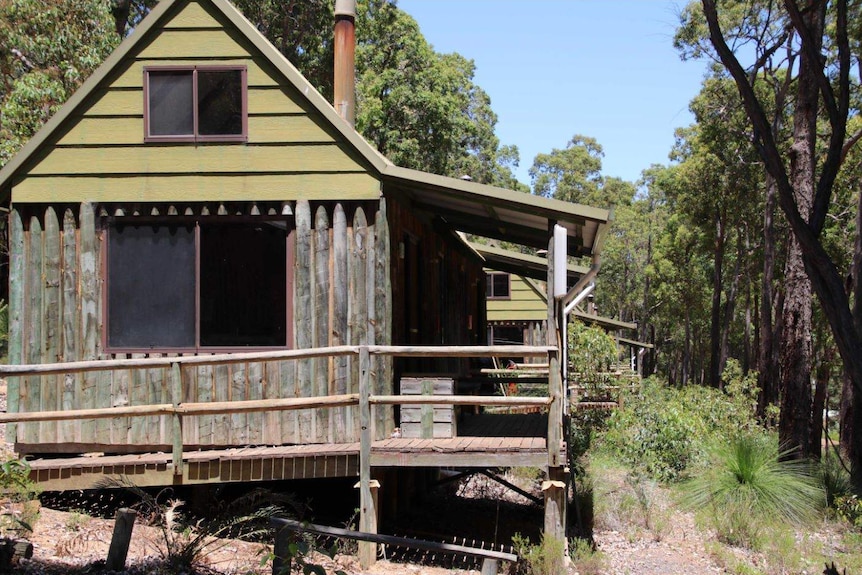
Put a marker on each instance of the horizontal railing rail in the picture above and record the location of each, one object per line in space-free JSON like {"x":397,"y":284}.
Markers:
{"x":178,"y":409}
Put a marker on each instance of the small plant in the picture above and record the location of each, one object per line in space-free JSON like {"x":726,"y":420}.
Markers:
{"x":585,"y":557}
{"x":546,"y":558}
{"x":185,"y":542}
{"x":76,"y":520}
{"x":749,"y":484}
{"x":20,"y":506}
{"x":300,"y":554}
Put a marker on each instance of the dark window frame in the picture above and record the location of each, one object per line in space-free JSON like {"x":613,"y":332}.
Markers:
{"x":290,"y":259}
{"x":489,"y":279}
{"x":194,"y":136}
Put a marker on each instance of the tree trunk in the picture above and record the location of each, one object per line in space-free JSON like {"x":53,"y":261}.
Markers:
{"x":824,"y":373}
{"x":715,"y":316}
{"x":767,"y":376}
{"x":850,"y":411}
{"x":686,"y":350}
{"x":794,"y":426}
{"x":730,"y":308}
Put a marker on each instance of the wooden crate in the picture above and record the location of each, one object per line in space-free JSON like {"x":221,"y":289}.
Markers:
{"x":427,"y":421}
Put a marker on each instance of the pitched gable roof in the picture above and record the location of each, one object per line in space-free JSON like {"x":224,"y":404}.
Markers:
{"x":466,"y":206}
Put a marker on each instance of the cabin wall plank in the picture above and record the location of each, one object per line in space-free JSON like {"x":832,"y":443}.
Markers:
{"x":32,"y":396}
{"x":70,"y":431}
{"x":320,"y":318}
{"x":342,"y":416}
{"x":303,"y":311}
{"x":17,"y":311}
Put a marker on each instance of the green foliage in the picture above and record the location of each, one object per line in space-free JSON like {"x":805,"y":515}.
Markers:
{"x":300,"y":556}
{"x":573,"y":174}
{"x":666,"y":432}
{"x":656,"y":432}
{"x":51,"y":47}
{"x":748,"y":484}
{"x":20,"y":504}
{"x":849,"y":508}
{"x":586,"y":559}
{"x":546,"y":558}
{"x":185,"y":542}
{"x":591,"y":351}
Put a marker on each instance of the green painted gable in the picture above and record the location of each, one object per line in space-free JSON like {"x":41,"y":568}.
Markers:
{"x":96,"y":150}
{"x":526,"y":302}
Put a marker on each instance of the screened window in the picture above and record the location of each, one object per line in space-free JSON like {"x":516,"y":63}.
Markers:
{"x":497,"y":285}
{"x":195,"y":104}
{"x":197,"y":285}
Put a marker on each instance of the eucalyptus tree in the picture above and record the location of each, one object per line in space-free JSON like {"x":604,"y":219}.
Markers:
{"x":718,"y":186}
{"x":819,"y":48}
{"x":48,"y":49}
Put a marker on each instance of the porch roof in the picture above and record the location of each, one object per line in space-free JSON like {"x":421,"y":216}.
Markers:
{"x":534,"y":267}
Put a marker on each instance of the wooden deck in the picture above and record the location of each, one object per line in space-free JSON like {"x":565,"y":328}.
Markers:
{"x":490,"y":440}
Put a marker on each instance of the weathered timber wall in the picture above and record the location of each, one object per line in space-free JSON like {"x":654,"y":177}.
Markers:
{"x":443,"y":302}
{"x":341,"y":295}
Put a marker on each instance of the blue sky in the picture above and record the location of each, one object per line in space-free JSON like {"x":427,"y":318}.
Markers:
{"x":556,"y":68}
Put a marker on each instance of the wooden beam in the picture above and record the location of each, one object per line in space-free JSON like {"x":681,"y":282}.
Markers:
{"x":367,"y":512}
{"x":457,"y":400}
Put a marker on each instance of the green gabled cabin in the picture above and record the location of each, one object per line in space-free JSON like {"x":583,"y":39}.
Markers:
{"x":198,"y":196}
{"x":517,"y":299}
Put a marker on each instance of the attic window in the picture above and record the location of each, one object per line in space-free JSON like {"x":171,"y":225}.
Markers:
{"x":195,"y":104}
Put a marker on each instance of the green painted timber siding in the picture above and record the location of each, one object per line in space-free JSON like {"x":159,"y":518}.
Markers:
{"x":524,"y":304}
{"x":341,"y":296}
{"x":99,"y":154}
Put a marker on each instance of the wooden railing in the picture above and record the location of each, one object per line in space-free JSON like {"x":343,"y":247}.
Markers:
{"x":364,"y":399}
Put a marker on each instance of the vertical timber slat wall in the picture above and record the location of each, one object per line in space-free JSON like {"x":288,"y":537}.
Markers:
{"x":342,"y":267}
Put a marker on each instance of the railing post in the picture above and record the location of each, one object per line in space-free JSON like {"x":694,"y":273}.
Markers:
{"x":367,"y":507}
{"x":555,"y":410}
{"x":176,"y":377}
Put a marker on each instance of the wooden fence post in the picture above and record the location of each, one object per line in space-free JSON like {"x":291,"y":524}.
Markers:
{"x":176,"y":376}
{"x":367,"y":503}
{"x":119,"y":549}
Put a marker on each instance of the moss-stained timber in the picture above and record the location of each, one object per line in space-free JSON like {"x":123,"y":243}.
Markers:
{"x":344,"y":419}
{"x":176,"y":388}
{"x":88,"y":255}
{"x":71,"y":324}
{"x":205,"y":392}
{"x":357,"y":327}
{"x":239,"y":432}
{"x":303,"y":310}
{"x":320,"y":319}
{"x":17,"y":309}
{"x":254,"y":421}
{"x":383,"y":316}
{"x":52,"y":319}
{"x":221,"y":392}
{"x":272,"y":390}
{"x":32,"y":396}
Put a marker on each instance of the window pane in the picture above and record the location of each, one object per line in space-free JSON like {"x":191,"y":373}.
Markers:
{"x":501,"y":285}
{"x":171,"y":103}
{"x":151,"y":286}
{"x":243,"y":287}
{"x":219,"y":102}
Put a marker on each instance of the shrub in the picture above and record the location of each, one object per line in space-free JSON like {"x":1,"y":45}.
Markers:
{"x":546,"y":558}
{"x":656,"y":433}
{"x":748,"y":484}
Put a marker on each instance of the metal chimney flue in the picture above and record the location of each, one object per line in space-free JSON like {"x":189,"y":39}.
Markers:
{"x":344,"y":99}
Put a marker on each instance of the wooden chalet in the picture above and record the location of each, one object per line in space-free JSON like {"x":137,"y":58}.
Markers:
{"x":214,"y":278}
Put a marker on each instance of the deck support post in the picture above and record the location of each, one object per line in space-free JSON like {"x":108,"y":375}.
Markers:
{"x":555,"y":488}
{"x":367,"y":497}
